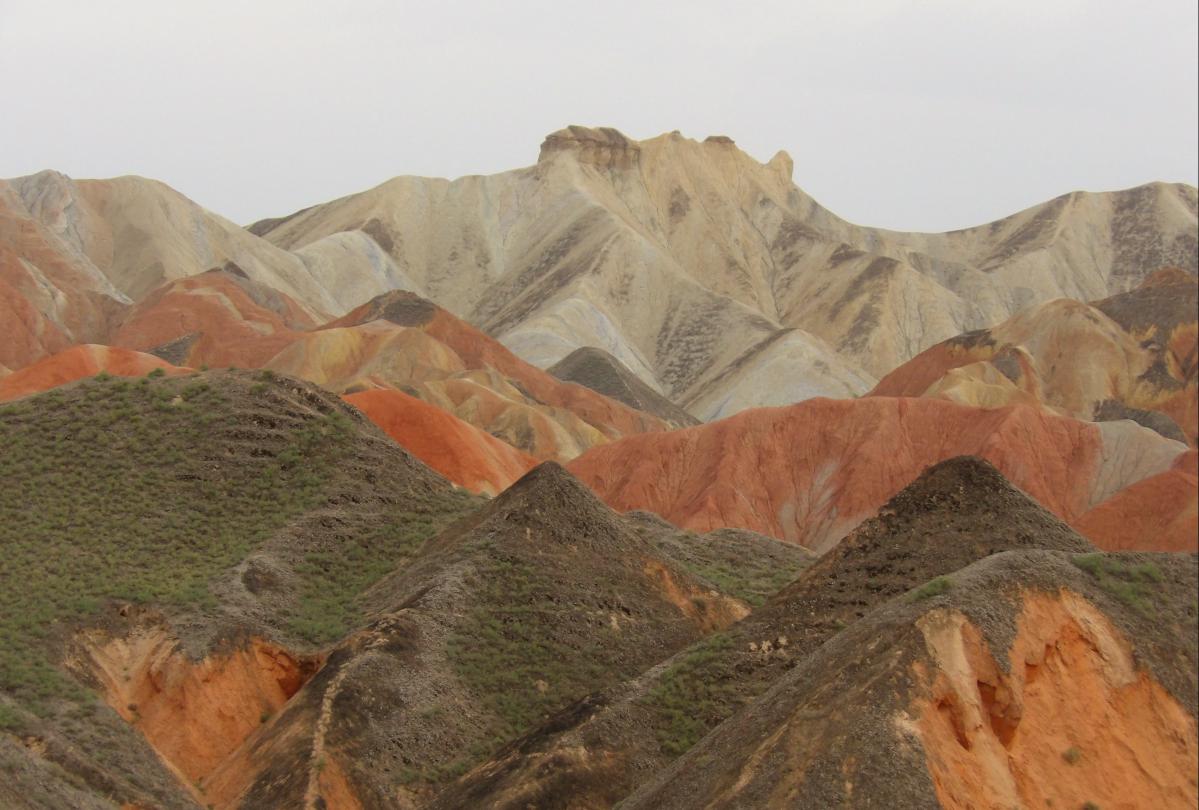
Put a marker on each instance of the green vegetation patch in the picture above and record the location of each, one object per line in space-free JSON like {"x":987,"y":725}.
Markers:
{"x":934,"y":587}
{"x":753,"y":582}
{"x":1133,"y":583}
{"x":696,"y":694}
{"x":333,"y":579}
{"x":520,"y":649}
{"x":142,"y":491}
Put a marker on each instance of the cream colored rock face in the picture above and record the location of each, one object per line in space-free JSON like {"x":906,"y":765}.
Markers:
{"x":684,"y":258}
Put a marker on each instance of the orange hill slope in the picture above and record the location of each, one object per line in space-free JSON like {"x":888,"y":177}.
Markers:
{"x":76,"y":363}
{"x":462,"y":453}
{"x":1159,"y":513}
{"x":808,"y":473}
{"x":219,"y":318}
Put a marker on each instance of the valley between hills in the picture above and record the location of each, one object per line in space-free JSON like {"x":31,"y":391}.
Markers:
{"x":633,"y":477}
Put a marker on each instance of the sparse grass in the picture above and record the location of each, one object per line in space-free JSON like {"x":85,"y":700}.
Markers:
{"x":934,"y":587}
{"x":117,"y":490}
{"x":512,"y":651}
{"x":695,"y":695}
{"x":332,"y":579}
{"x":1090,"y":806}
{"x":1072,"y":755}
{"x":1131,"y":583}
{"x":753,"y":581}
{"x":10,"y":720}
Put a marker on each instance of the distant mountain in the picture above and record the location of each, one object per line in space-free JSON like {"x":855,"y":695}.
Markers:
{"x":710,"y":276}
{"x":683,"y":258}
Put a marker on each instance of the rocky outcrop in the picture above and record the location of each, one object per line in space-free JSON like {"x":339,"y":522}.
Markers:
{"x":1020,"y":681}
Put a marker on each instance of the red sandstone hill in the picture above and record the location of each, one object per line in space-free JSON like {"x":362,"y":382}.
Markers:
{"x":810,"y":472}
{"x":1159,"y":512}
{"x":76,"y":363}
{"x":462,"y":453}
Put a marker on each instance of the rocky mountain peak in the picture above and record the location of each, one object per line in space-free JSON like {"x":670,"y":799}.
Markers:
{"x":603,"y":147}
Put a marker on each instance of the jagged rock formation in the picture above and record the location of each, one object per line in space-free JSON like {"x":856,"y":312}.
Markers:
{"x":1133,"y":355}
{"x":600,"y":371}
{"x":810,"y":472}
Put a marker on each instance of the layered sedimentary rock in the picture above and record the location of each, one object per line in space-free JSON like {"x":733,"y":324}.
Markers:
{"x":403,"y":341}
{"x":78,"y":362}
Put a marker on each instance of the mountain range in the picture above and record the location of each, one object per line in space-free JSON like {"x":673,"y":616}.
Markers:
{"x":633,"y":476}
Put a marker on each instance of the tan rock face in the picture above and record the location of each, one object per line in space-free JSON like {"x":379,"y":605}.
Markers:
{"x":809,"y":473}
{"x":1072,"y":722}
{"x":403,"y":341}
{"x":681,"y":258}
{"x":1160,"y":512}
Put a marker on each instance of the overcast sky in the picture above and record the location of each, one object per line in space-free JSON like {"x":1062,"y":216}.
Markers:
{"x":917,"y":115}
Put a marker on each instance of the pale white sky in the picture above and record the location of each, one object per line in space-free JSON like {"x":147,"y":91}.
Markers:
{"x":909,"y":114}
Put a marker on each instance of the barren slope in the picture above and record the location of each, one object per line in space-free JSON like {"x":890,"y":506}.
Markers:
{"x":1132,"y":355}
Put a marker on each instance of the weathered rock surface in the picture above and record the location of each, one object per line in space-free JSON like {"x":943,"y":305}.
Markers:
{"x":683,"y":258}
{"x":1159,"y":513}
{"x":954,"y":514}
{"x":596,"y":369}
